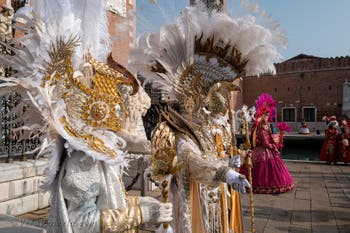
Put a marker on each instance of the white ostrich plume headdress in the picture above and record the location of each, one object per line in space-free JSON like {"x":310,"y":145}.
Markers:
{"x":76,"y":96}
{"x":186,"y":58}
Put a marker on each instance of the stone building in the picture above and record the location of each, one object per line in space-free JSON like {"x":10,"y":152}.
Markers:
{"x":305,"y":88}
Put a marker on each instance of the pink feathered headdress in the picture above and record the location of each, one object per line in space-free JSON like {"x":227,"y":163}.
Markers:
{"x":264,"y":102}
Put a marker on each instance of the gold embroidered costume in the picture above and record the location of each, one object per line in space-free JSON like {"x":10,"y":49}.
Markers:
{"x":82,"y":104}
{"x":184,"y":62}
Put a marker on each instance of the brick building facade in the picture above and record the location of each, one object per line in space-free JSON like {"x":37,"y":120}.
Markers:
{"x":305,"y":88}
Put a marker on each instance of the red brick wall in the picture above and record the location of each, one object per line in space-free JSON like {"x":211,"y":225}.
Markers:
{"x":306,"y":82}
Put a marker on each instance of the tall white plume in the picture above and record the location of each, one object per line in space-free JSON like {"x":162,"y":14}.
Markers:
{"x":173,"y":46}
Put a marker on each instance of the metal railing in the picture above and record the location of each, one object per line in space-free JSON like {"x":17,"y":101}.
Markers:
{"x":14,"y":142}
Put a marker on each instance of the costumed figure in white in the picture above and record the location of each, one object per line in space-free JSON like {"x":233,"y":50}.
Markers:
{"x":81,"y":105}
{"x":186,"y":61}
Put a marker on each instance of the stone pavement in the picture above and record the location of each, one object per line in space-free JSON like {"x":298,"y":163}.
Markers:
{"x":10,"y":224}
{"x":319,"y":203}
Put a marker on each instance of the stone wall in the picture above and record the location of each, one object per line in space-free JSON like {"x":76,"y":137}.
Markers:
{"x":20,"y":184}
{"x":20,"y":187}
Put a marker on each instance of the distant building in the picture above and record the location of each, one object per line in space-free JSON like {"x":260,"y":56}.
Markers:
{"x":305,"y":88}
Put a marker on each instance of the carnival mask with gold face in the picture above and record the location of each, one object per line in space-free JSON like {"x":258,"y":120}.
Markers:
{"x":219,"y":97}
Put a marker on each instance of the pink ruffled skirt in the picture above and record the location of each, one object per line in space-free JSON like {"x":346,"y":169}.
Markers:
{"x":270,"y":174}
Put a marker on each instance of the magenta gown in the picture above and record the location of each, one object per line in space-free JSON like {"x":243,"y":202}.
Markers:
{"x":270,"y":174}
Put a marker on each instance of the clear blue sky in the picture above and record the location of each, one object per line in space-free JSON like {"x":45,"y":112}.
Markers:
{"x":314,"y":27}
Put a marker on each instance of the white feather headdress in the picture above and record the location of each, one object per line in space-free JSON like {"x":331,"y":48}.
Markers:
{"x":61,"y":37}
{"x":187,"y":57}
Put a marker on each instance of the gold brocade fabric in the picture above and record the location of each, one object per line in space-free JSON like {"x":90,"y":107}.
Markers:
{"x":219,"y":145}
{"x":196,"y":209}
{"x":236,"y":223}
{"x":231,"y":216}
{"x":125,"y":221}
{"x":224,"y":206}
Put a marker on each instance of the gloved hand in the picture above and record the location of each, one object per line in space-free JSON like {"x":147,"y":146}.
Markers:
{"x":154,"y":211}
{"x":235,"y":161}
{"x":237,"y":181}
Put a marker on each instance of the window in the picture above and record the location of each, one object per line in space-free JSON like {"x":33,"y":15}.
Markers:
{"x":309,"y":114}
{"x":289,"y":114}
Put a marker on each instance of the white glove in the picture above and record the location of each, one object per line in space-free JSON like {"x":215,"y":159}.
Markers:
{"x":154,"y":211}
{"x":235,"y":161}
{"x":237,"y":181}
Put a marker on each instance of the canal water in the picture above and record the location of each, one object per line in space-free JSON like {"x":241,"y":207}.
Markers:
{"x":299,"y":147}
{"x":302,"y":147}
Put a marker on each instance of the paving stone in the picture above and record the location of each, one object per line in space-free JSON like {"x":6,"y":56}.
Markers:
{"x":342,"y":213}
{"x":343,"y":226}
{"x":318,"y":204}
{"x":9,"y":224}
{"x":304,"y":195}
{"x":294,"y":228}
{"x":320,"y":216}
{"x":322,"y":228}
{"x":301,"y":212}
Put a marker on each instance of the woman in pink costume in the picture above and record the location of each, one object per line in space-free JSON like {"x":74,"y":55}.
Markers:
{"x":270,"y":174}
{"x":329,"y":147}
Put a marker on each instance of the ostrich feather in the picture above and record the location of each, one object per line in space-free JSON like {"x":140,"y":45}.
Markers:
{"x":173,"y":51}
{"x":93,"y":31}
